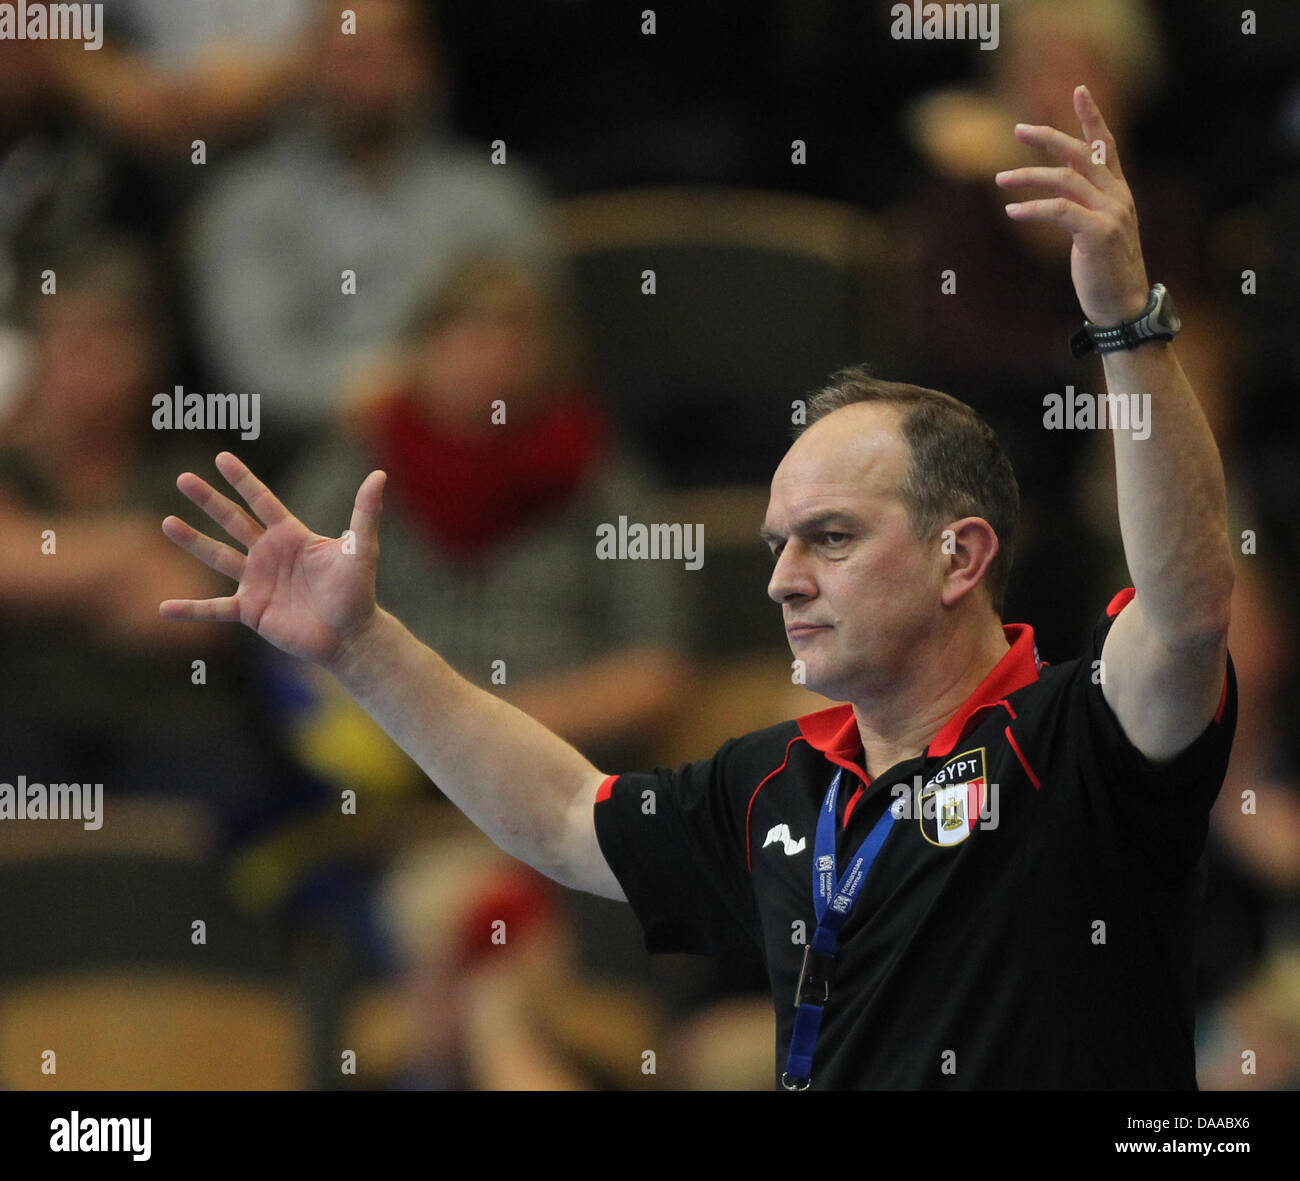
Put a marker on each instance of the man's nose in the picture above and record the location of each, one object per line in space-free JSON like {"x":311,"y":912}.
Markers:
{"x":790,"y":576}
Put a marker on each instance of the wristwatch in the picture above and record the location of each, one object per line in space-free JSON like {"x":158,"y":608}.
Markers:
{"x":1159,"y":321}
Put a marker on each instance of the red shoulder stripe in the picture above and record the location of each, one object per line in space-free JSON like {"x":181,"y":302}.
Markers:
{"x":1223,"y":700}
{"x":749,"y":852}
{"x":1120,"y":601}
{"x":1011,"y":738}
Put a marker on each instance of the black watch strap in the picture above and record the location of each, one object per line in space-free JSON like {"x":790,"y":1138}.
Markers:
{"x":1093,"y":338}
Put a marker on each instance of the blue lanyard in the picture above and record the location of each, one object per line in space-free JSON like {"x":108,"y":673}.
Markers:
{"x":832,"y":901}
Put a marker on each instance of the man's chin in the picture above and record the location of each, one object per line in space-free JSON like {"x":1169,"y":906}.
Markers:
{"x":826,"y":684}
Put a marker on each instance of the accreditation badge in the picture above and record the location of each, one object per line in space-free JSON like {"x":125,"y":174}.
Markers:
{"x":952,"y":800}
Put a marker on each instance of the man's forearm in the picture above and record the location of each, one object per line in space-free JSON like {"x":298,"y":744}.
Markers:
{"x":510,"y":775}
{"x":1172,"y":499}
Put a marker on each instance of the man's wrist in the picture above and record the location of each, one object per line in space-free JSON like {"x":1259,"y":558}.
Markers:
{"x":1136,"y":309}
{"x":1159,"y":320}
{"x":358,"y":649}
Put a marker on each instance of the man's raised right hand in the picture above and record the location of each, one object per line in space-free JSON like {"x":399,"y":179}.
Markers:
{"x":308,"y":595}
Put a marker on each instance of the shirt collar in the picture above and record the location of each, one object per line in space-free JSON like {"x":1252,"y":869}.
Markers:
{"x":835,"y":732}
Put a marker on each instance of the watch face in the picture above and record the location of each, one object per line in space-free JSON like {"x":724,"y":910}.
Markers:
{"x":1167,"y":317}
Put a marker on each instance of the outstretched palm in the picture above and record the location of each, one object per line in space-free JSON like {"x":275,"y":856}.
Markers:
{"x":304,"y":593}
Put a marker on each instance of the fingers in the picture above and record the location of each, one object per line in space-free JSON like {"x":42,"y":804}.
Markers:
{"x":1095,"y":129}
{"x":264,"y":503}
{"x":216,"y":555}
{"x":220,"y":508}
{"x":1074,"y":151}
{"x":367,"y":507}
{"x":1061,"y":210}
{"x":1090,"y":184}
{"x":1062,"y":181}
{"x":201,"y":610}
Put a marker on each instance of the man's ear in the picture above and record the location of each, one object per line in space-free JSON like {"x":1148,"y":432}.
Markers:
{"x":969,"y":547}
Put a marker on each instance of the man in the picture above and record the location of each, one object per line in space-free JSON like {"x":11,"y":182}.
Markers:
{"x":395,"y":198}
{"x":979,"y":871}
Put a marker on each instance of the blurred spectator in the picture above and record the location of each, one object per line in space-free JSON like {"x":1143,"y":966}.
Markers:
{"x":489,"y":996}
{"x":1264,"y":238}
{"x":173,"y":89}
{"x":53,"y":174}
{"x":364,"y":181}
{"x":169,"y":73}
{"x":1263,"y":638}
{"x":727,"y":1046}
{"x":1253,"y":908}
{"x":173,"y":36}
{"x":999,"y":339}
{"x":489,"y":531}
{"x":1253,"y":1042}
{"x":97,"y":686}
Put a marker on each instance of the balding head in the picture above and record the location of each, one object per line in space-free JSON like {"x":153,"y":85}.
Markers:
{"x":862,"y":577}
{"x":957,"y":467}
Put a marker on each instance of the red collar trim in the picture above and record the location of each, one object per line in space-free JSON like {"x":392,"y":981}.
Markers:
{"x":834,"y":731}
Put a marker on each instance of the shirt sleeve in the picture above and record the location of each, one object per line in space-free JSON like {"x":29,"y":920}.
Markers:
{"x":676,"y":842}
{"x":1166,"y":805}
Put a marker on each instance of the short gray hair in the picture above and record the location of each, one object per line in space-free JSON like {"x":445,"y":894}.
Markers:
{"x":958,"y":467}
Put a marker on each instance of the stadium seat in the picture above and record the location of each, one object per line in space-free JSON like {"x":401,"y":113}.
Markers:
{"x":757,"y":297}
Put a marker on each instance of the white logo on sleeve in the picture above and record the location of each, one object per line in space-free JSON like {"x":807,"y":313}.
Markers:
{"x":781,"y":832}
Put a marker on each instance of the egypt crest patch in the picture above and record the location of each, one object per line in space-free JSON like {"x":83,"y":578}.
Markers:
{"x":951,"y":802}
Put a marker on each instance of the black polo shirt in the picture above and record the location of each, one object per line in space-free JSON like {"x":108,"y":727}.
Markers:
{"x":1029,"y":921}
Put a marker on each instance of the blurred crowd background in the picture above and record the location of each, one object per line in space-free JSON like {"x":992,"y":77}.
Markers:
{"x":498,"y":175}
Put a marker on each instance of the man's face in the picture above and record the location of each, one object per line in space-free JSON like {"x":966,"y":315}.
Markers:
{"x":496,"y":348}
{"x":96,"y":356}
{"x":857,"y":589}
{"x":379,"y":73}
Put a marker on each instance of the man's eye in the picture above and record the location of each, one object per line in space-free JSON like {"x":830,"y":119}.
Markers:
{"x":835,"y":538}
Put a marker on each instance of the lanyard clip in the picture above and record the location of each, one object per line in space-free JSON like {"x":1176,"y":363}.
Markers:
{"x":814,"y":986}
